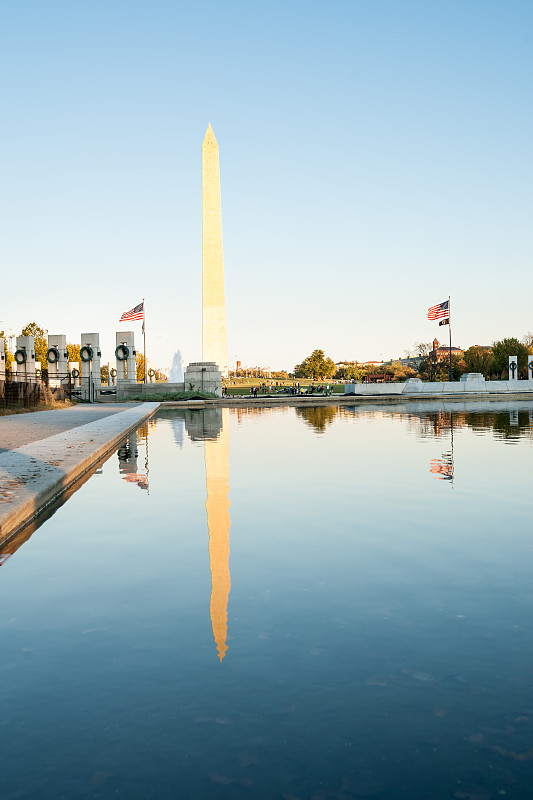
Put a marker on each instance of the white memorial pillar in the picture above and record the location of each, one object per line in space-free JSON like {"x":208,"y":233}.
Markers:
{"x":25,"y":358}
{"x":90,"y":365}
{"x":513,"y":368}
{"x":57,"y":358}
{"x":125,"y":354}
{"x":74,"y":372}
{"x":2,"y":360}
{"x":530,"y":368}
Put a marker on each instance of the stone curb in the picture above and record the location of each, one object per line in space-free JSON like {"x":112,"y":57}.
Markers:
{"x":33,"y":476}
{"x":313,"y":400}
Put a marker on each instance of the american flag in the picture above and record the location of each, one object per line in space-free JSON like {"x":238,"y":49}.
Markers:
{"x":442,"y":310}
{"x":135,"y":313}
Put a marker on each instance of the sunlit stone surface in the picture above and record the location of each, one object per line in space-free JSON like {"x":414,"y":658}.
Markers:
{"x":214,"y":345}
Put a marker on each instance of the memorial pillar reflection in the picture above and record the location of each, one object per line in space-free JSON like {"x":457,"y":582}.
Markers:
{"x":218,"y":524}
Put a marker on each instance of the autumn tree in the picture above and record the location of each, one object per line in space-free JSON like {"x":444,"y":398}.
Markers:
{"x":139,"y":366}
{"x":7,"y":353}
{"x":40,"y":340}
{"x":73,"y":351}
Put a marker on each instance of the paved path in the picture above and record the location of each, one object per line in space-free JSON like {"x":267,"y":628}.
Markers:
{"x":44,"y":453}
{"x":17,"y":430}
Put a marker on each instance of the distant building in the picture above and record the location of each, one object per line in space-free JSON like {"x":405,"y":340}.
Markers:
{"x":484,"y":348}
{"x":377,"y":377}
{"x":441,"y":353}
{"x":344,"y":364}
{"x":413,"y":362}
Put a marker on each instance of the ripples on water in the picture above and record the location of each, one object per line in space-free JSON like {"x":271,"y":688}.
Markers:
{"x":319,"y":602}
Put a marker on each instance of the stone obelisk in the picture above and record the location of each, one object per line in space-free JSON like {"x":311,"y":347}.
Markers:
{"x":214,"y":345}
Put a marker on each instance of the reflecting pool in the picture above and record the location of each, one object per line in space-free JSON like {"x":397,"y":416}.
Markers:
{"x":310,"y":603}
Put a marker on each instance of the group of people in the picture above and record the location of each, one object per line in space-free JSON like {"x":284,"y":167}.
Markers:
{"x":297,"y":390}
{"x":294,"y":391}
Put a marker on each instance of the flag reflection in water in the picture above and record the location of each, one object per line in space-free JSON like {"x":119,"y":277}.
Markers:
{"x":127,"y":458}
{"x":442,"y":468}
{"x":218,"y":524}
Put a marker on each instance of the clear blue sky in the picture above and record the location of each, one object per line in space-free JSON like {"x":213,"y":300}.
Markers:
{"x":375,"y":158}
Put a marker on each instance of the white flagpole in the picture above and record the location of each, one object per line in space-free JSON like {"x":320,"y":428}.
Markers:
{"x":144,"y":337}
{"x":450,"y":376}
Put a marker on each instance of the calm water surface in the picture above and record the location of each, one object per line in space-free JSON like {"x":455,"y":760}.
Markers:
{"x":306,"y":604}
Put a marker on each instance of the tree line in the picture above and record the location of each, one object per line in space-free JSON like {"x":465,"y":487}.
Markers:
{"x":492,"y":363}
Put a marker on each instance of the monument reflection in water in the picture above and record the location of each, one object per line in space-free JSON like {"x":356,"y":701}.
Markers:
{"x":212,"y":427}
{"x":218,"y":524}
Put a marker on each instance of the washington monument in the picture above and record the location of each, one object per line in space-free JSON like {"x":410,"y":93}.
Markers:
{"x":214,"y":345}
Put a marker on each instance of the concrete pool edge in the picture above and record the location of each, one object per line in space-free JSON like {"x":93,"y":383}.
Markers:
{"x":37,"y":474}
{"x":341,"y":399}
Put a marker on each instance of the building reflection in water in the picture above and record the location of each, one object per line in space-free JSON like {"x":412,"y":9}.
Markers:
{"x":128,"y":453}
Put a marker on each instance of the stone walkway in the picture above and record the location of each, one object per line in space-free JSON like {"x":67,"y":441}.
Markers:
{"x":17,"y":430}
{"x":43,"y":454}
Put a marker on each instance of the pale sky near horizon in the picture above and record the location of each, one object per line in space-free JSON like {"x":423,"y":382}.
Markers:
{"x":375,"y":158}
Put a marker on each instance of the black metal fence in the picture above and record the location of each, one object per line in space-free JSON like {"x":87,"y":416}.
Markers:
{"x":30,"y":394}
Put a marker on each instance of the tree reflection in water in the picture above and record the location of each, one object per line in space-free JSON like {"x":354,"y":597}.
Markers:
{"x":318,"y":417}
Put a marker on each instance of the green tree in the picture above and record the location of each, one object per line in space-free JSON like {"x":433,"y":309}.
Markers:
{"x":509,"y":347}
{"x":40,"y":339}
{"x":399,"y":372}
{"x":439,"y":370}
{"x":478,"y":359}
{"x":316,"y":367}
{"x":353,"y":372}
